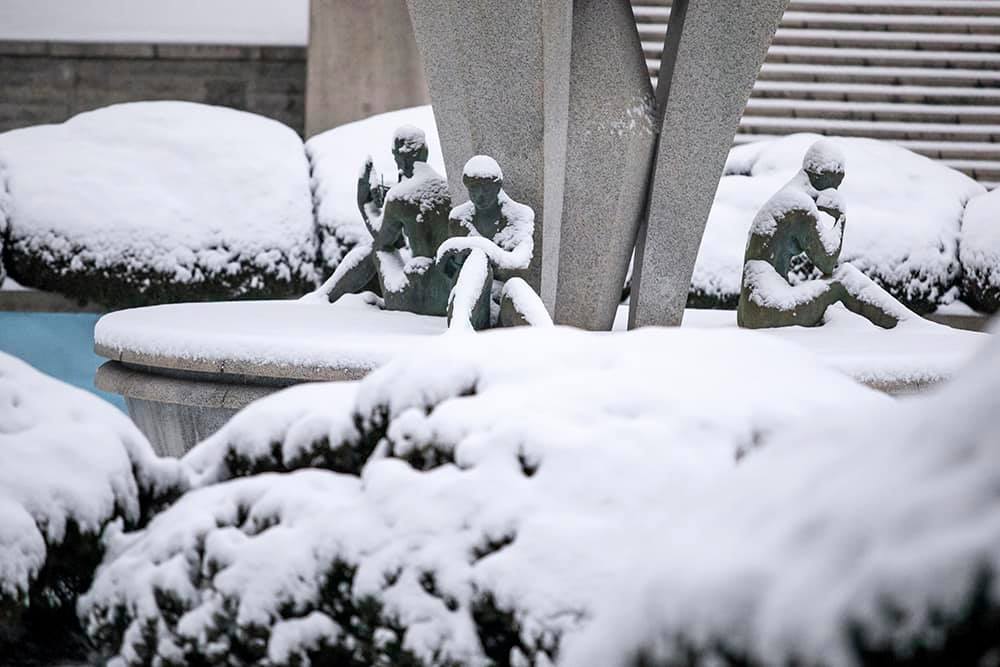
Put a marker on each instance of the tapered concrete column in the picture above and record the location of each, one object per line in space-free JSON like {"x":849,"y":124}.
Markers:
{"x":610,"y":137}
{"x":485,"y":64}
{"x":557,"y":91}
{"x":362,"y":60}
{"x":711,"y":57}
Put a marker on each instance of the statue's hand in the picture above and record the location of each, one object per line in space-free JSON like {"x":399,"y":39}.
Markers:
{"x":365,"y":182}
{"x":451,"y":257}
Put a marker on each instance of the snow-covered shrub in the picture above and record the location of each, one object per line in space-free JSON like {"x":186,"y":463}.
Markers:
{"x":510,"y":476}
{"x":337,"y":157}
{"x":160,"y":201}
{"x":870,"y":538}
{"x":904,"y":213}
{"x":980,"y":252}
{"x":71,"y":465}
{"x":4,"y":227}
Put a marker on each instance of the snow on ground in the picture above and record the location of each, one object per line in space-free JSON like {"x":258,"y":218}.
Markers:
{"x":159,"y":201}
{"x":337,"y":157}
{"x":510,"y":475}
{"x":257,"y":22}
{"x":912,"y":355}
{"x":323,"y":340}
{"x":980,"y":252}
{"x":72,"y":463}
{"x":904,"y":212}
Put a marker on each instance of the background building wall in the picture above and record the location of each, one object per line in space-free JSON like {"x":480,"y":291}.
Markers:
{"x":48,"y":82}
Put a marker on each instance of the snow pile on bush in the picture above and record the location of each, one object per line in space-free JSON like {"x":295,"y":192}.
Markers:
{"x":500,"y":483}
{"x":980,"y":252}
{"x":71,"y":465}
{"x":904,"y":212}
{"x":159,"y":201}
{"x":862,"y":538}
{"x":337,"y":157}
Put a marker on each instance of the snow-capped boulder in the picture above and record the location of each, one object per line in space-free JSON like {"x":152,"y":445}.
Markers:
{"x":904,"y":213}
{"x":70,"y":466}
{"x":475,"y":502}
{"x":159,"y":201}
{"x":980,"y":252}
{"x":337,"y":157}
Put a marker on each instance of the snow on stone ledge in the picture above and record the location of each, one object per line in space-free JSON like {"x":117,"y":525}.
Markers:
{"x":337,"y":156}
{"x":159,"y":201}
{"x":904,"y":213}
{"x":71,"y":463}
{"x":508,"y":477}
{"x":980,"y":252}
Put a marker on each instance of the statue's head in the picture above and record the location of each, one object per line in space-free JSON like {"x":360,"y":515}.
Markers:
{"x":483,"y":179}
{"x":824,"y":164}
{"x":409,"y":146}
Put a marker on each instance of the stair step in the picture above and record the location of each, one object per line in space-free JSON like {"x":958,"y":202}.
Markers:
{"x":932,"y":7}
{"x":874,"y":111}
{"x":878,"y":57}
{"x":954,"y":150}
{"x":860,"y":92}
{"x":860,"y":74}
{"x":891,"y":22}
{"x":918,"y":41}
{"x":981,"y":170}
{"x":871,"y":129}
{"x":941,"y":7}
{"x":986,"y":171}
{"x":946,"y":80}
{"x":654,"y":23}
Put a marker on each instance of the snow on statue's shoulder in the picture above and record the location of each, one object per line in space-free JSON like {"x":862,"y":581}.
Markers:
{"x":426,"y":188}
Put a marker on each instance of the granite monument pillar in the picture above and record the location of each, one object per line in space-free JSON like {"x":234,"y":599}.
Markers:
{"x":711,"y":57}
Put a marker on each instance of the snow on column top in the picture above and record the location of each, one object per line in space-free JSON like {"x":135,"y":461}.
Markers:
{"x":824,"y":156}
{"x":482,"y":167}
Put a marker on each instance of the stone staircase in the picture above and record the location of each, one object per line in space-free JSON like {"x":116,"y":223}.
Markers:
{"x":924,"y":74}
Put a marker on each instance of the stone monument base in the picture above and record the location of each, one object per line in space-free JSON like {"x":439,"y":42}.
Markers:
{"x":185,"y":369}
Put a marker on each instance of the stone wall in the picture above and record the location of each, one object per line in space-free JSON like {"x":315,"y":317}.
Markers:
{"x":47,"y":82}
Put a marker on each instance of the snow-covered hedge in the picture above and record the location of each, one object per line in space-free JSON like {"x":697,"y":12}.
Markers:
{"x":337,"y":157}
{"x":159,"y":201}
{"x":980,"y":252}
{"x":862,"y":538}
{"x":904,"y":213}
{"x":70,"y":466}
{"x":472,"y":506}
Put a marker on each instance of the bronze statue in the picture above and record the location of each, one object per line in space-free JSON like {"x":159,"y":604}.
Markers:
{"x":491,"y":244}
{"x":407,"y":222}
{"x":807,"y":217}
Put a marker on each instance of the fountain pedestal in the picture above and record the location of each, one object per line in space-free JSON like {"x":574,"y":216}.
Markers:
{"x":185,"y":369}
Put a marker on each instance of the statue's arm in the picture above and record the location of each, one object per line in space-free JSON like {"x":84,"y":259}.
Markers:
{"x":823,"y":241}
{"x":516,"y":258}
{"x":389,"y":235}
{"x":369,"y":199}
